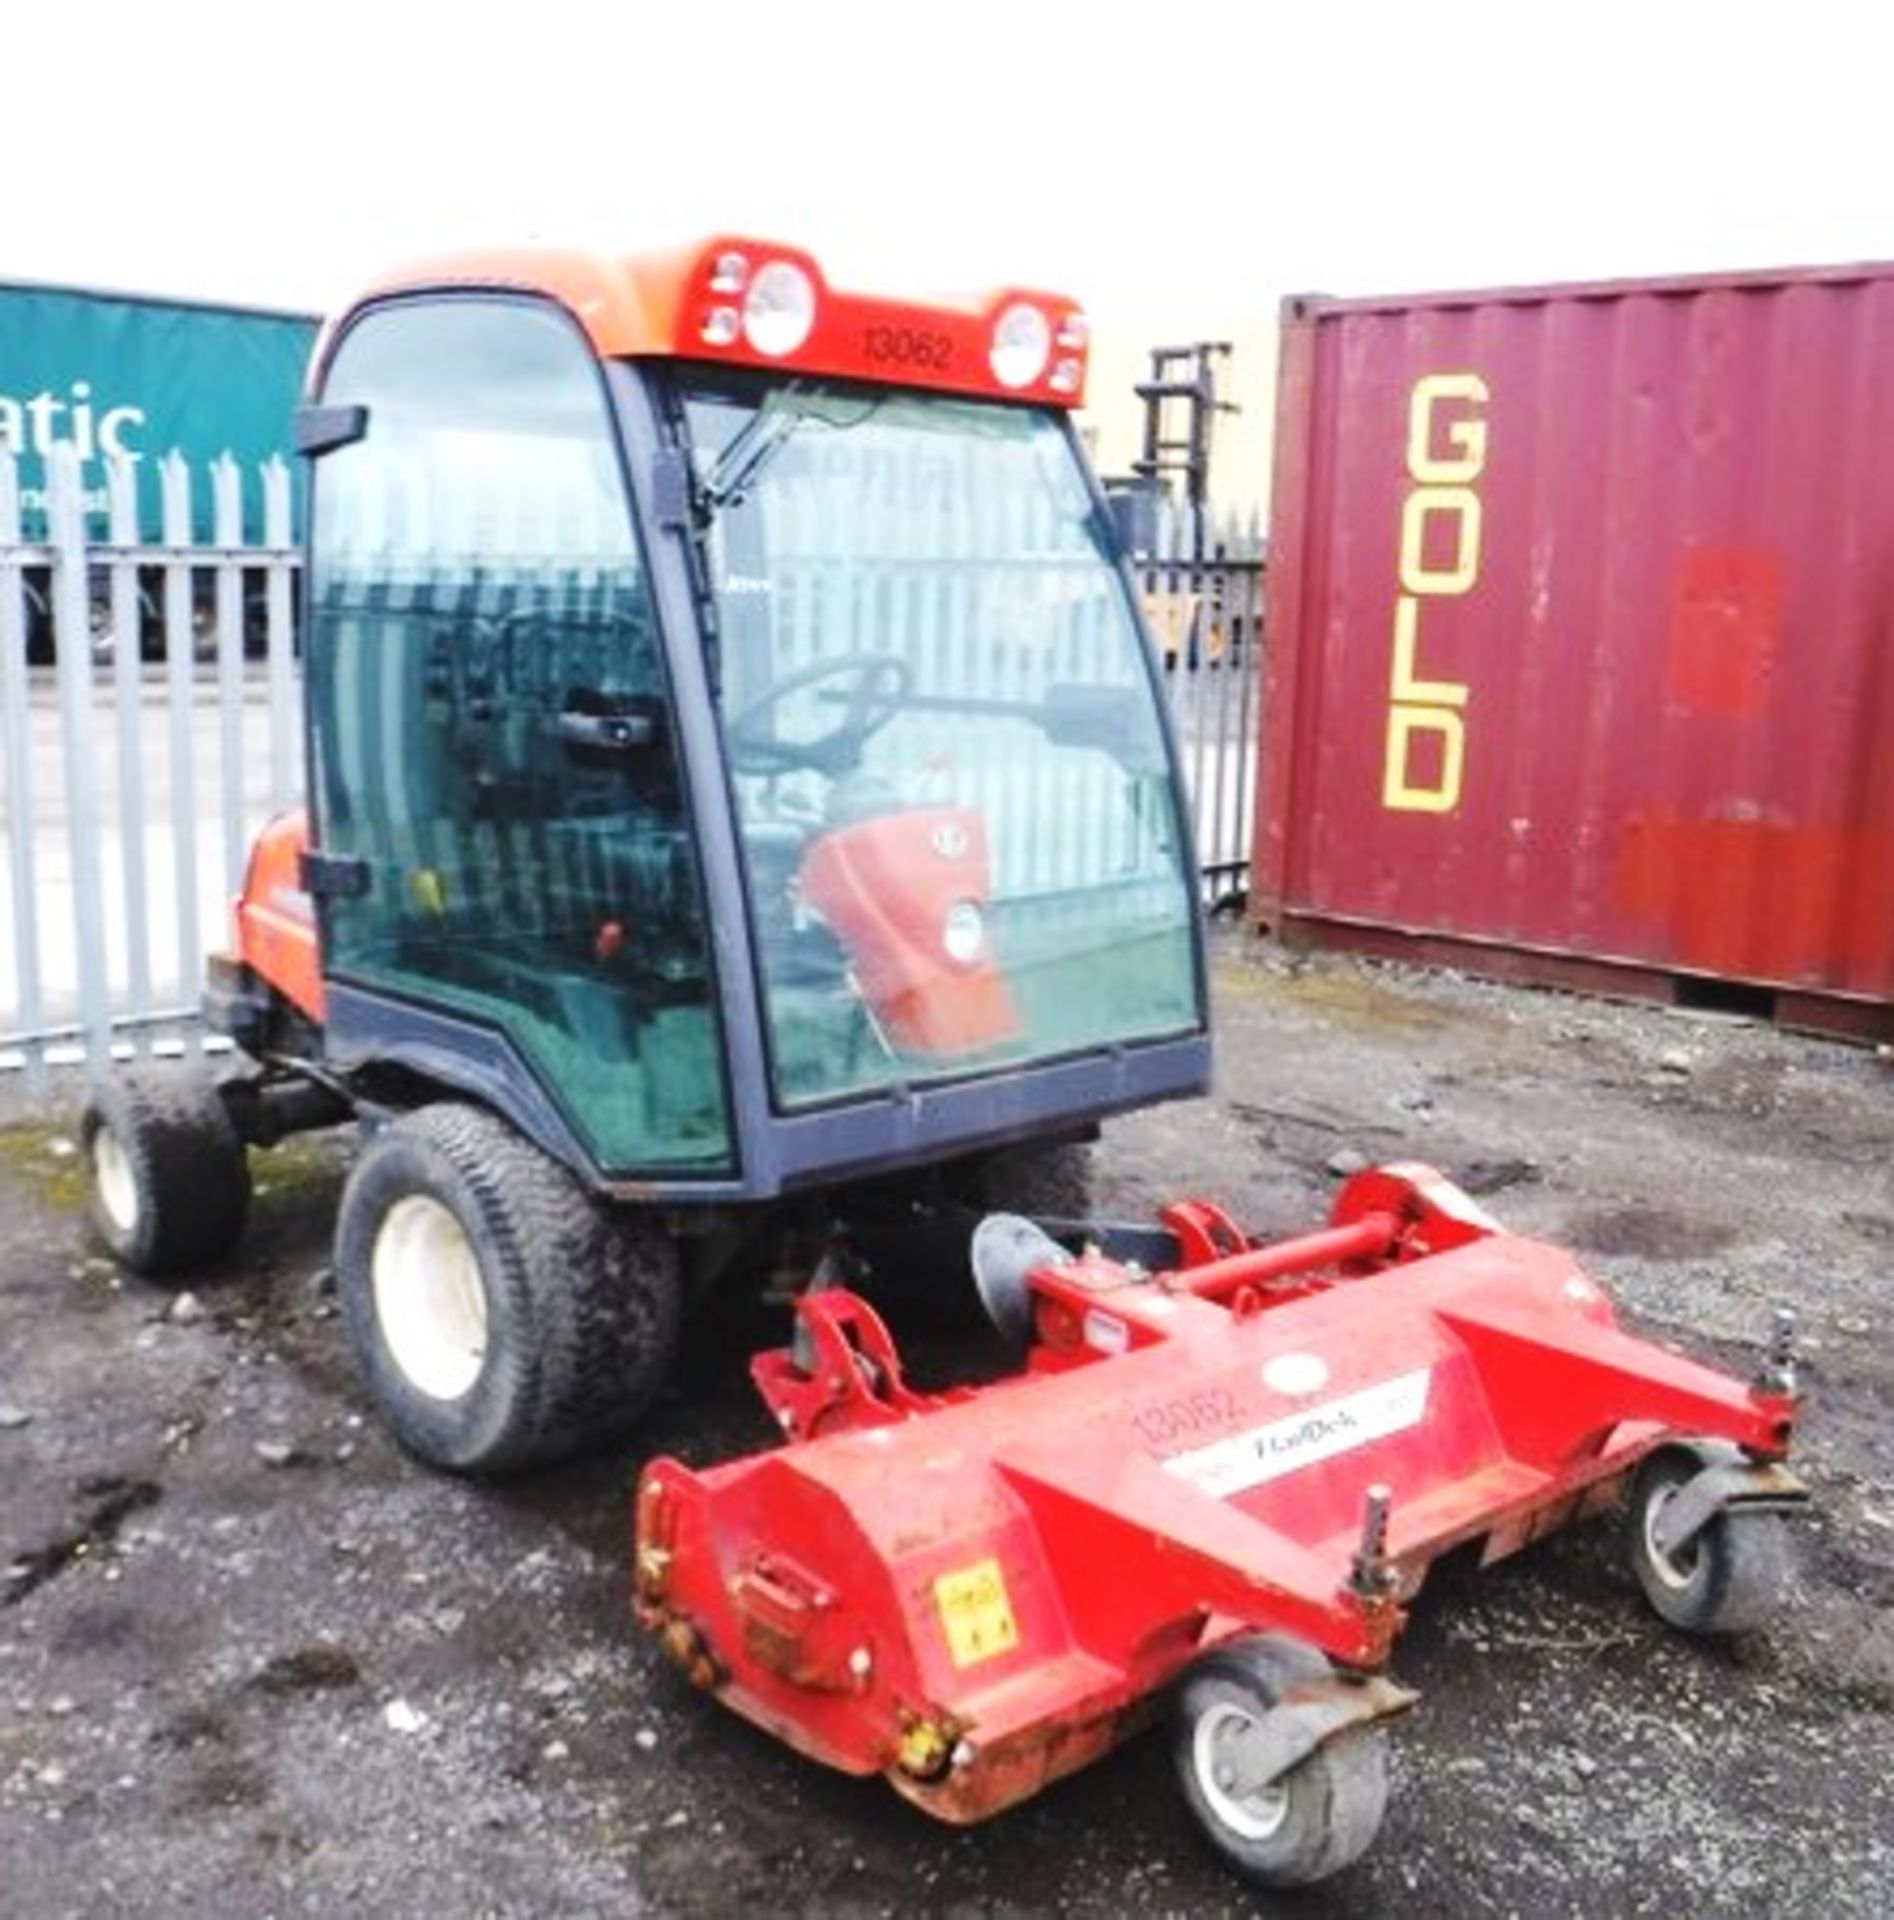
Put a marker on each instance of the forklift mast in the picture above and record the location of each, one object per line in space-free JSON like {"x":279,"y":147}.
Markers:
{"x":1180,"y":415}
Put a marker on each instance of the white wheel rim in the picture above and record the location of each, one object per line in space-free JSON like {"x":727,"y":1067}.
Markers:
{"x":1215,"y":1748}
{"x":118,"y":1187}
{"x":430,"y":1301}
{"x":1673,"y":1572}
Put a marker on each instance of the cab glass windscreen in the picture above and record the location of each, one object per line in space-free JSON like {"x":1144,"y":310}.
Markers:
{"x":956,"y":808}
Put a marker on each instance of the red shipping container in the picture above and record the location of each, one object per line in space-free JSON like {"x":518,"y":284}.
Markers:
{"x":1581,"y":635}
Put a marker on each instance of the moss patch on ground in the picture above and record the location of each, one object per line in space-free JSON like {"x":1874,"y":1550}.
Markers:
{"x":306,"y":1163}
{"x":1347,"y":995}
{"x":45,"y":1157}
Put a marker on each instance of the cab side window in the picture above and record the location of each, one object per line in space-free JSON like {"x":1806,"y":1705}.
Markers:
{"x":492,"y":732}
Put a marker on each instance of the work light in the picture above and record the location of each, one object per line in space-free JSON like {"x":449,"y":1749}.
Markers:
{"x":1022,"y":340}
{"x":779,"y":309}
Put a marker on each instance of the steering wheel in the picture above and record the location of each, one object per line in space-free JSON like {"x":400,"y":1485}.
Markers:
{"x":875,"y":685}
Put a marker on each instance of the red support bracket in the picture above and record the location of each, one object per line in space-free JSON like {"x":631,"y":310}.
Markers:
{"x":842,"y":1371}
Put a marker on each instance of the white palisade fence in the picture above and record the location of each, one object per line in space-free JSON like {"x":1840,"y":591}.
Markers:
{"x":148,"y":725}
{"x":151,"y":721}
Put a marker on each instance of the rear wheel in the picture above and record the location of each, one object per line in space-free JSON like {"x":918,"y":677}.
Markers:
{"x":500,"y":1316}
{"x":170,"y":1180}
{"x":914,"y":1230}
{"x":1043,"y":1183}
{"x":1303,"y":1825}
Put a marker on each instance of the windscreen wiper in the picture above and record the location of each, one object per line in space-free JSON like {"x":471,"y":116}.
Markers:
{"x":764,"y":435}
{"x":753,"y":446}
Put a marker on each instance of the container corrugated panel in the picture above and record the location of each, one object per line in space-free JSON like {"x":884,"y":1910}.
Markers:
{"x":1581,"y":627}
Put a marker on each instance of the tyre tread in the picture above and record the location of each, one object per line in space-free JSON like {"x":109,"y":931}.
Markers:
{"x":187,"y":1161}
{"x":594,"y":1299}
{"x":1045,"y":1183}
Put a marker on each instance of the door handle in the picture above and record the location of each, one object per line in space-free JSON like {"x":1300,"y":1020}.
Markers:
{"x":605,"y":732}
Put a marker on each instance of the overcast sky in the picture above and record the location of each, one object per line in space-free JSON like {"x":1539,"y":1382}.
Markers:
{"x":1157,"y":160}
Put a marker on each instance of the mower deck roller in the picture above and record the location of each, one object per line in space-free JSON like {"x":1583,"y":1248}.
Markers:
{"x":1230,"y":1474}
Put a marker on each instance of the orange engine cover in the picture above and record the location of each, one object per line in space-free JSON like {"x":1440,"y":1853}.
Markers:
{"x":276,"y":919}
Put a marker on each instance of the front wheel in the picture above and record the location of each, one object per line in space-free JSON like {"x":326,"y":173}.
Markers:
{"x":500,"y":1317}
{"x":1728,"y":1578}
{"x":1303,"y":1825}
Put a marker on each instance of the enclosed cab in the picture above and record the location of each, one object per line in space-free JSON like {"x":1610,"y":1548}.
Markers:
{"x":736,"y":772}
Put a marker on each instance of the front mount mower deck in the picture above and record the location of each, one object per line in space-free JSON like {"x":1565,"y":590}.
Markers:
{"x":1219,"y":1482}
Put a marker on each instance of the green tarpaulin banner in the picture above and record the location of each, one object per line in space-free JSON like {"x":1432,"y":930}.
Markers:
{"x":107,"y":373}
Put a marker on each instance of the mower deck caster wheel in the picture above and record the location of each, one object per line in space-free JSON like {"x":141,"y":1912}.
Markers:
{"x":170,"y":1180}
{"x":1729,"y":1578}
{"x":1312,"y":1821}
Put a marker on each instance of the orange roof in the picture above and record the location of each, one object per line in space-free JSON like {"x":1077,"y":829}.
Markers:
{"x":665,"y":303}
{"x":627,"y":303}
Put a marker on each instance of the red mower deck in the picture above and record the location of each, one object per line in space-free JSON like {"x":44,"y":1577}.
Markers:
{"x":1229,"y":1475}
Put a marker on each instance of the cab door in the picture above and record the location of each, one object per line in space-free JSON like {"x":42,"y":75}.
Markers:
{"x":493,"y":761}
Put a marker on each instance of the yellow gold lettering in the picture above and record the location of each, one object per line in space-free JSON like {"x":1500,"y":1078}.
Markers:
{"x":1400,"y":791}
{"x":1406,"y":686}
{"x":1463,"y":505}
{"x":1445,"y":453}
{"x":1465,"y":438}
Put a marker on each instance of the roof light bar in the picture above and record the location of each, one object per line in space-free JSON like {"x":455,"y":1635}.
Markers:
{"x":741,"y":300}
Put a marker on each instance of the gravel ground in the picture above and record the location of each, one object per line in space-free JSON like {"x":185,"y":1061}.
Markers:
{"x":253,"y":1661}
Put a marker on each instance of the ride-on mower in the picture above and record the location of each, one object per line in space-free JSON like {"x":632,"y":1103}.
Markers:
{"x":740,"y":794}
{"x":1214,"y":1484}
{"x":741,"y":803}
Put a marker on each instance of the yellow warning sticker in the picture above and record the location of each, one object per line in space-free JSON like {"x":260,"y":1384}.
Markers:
{"x":975,"y":1613}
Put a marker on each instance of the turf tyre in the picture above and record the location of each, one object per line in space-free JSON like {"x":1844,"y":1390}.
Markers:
{"x":500,"y":1316}
{"x":168,"y":1176}
{"x":1042,"y":1183}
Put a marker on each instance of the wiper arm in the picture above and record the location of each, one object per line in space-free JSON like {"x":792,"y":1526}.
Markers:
{"x":764,"y":435}
{"x":754,"y":445}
